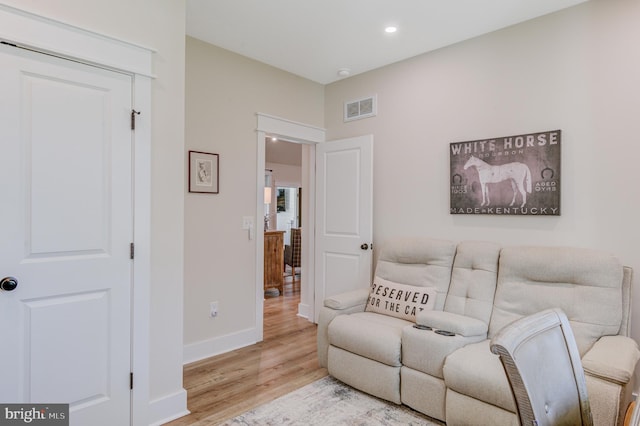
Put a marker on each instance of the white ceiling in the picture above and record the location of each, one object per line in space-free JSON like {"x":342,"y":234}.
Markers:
{"x":316,"y":38}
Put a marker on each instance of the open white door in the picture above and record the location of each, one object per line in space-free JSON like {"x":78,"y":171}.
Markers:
{"x":344,"y":216}
{"x":66,"y":226}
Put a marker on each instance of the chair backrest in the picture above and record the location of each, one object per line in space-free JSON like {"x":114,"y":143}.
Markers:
{"x":422,"y":262}
{"x":586,"y":284}
{"x":292,"y":258}
{"x":473,"y":280}
{"x":542,"y":362}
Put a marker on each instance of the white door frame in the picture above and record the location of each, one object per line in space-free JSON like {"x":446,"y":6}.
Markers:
{"x":289,"y":131}
{"x":42,"y":34}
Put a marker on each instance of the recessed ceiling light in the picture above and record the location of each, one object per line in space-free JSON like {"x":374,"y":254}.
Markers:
{"x":274,"y":139}
{"x":344,"y":72}
{"x":390,"y":29}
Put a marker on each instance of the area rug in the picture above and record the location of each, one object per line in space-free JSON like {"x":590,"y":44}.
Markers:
{"x":330,"y":402}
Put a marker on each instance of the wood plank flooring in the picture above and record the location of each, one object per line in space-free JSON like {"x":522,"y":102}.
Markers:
{"x":224,"y":386}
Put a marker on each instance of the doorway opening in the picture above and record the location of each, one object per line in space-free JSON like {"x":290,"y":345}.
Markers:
{"x":305,"y":137}
{"x":283,"y":219}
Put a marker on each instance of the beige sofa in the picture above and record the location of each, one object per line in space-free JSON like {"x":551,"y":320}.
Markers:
{"x":480,"y":287}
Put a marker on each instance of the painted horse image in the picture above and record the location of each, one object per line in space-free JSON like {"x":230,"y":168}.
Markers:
{"x":518,"y":173}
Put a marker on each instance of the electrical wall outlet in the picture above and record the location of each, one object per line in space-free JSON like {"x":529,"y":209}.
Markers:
{"x":213,"y":312}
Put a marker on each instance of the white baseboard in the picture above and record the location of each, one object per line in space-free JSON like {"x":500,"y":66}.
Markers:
{"x":167,"y":408}
{"x":304,"y":310}
{"x":219,"y":345}
{"x":174,"y":406}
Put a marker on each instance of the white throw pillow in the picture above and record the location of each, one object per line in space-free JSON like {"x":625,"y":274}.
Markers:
{"x":399,"y":300}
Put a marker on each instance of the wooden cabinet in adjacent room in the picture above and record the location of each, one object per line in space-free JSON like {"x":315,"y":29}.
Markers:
{"x":274,"y":260}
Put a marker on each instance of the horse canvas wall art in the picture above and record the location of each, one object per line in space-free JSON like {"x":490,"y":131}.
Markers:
{"x":511,"y":175}
{"x":518,"y":174}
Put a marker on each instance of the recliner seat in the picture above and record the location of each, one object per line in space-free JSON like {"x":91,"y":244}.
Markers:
{"x":480,"y":289}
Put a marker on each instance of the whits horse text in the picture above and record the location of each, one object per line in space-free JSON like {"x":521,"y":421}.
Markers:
{"x":511,"y":142}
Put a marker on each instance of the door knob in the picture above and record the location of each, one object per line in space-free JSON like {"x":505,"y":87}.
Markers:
{"x":364,"y":246}
{"x":8,"y":284}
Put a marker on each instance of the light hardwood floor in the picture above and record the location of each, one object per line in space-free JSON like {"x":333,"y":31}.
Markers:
{"x":224,"y":386}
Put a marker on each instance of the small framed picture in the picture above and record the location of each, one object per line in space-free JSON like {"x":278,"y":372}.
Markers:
{"x":204,"y":172}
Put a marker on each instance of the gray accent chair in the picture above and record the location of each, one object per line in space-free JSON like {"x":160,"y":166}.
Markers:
{"x":542,"y":362}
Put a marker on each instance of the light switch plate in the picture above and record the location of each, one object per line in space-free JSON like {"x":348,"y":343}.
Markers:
{"x":247,"y":222}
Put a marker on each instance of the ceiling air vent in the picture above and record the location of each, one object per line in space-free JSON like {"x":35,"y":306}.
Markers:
{"x":360,"y":108}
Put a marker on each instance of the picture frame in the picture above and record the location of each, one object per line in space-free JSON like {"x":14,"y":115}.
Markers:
{"x":281,"y":200}
{"x":204,"y":172}
{"x":515,"y":175}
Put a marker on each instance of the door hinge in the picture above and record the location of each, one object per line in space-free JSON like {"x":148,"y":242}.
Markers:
{"x":131,"y":381}
{"x":132,"y":250}
{"x":133,"y":118}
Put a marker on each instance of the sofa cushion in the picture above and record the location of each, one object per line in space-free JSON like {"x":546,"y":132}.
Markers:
{"x":399,"y":300}
{"x":422,"y":262}
{"x":426,"y":350}
{"x":476,"y":372}
{"x":473,"y":280}
{"x":370,"y":335}
{"x":585,"y":284}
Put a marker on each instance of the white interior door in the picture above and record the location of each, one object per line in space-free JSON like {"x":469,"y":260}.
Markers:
{"x":66,"y":226}
{"x":344,"y":218}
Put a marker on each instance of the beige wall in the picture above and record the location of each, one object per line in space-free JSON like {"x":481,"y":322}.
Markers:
{"x":577,"y":70}
{"x":224,"y":92}
{"x":158,"y":24}
{"x":285,"y":174}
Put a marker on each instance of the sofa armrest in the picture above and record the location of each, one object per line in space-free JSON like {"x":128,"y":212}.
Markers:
{"x":347,"y":300}
{"x":341,"y":304}
{"x":612,"y":358}
{"x":458,"y":324}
